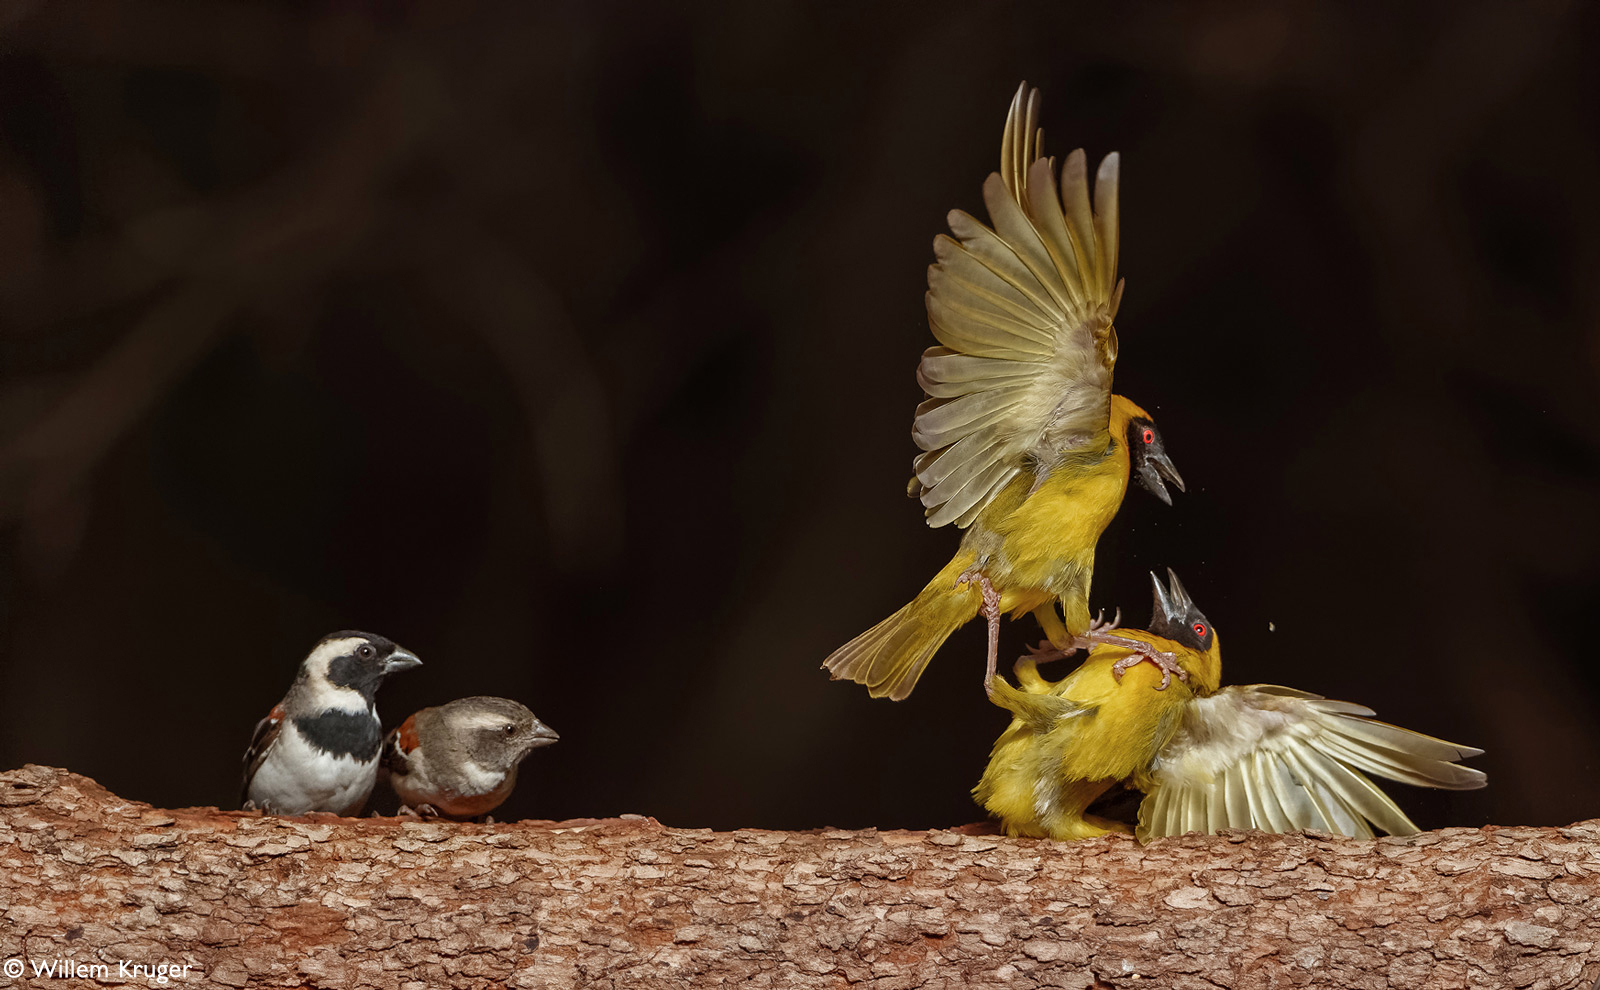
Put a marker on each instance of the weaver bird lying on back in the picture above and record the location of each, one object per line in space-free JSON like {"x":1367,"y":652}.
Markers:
{"x":1256,"y":756}
{"x":1025,"y":447}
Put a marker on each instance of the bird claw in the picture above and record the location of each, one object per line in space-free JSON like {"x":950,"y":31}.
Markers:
{"x":420,"y":811}
{"x":1166,"y":662}
{"x":1099,"y":625}
{"x":1047,"y":651}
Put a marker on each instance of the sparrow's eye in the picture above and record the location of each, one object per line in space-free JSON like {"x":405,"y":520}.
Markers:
{"x":366,"y":652}
{"x":1200,"y":629}
{"x":1149,"y":435}
{"x":510,"y":730}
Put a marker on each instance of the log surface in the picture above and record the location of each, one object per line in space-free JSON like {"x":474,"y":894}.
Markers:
{"x":90,"y":880}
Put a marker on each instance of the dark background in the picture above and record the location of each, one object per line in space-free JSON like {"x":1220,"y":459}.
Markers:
{"x":571,"y":345}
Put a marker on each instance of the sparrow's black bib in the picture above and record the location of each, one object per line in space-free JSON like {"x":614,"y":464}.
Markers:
{"x":342,"y":733}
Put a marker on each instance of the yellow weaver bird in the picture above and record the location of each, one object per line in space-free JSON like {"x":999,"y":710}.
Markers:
{"x":1024,"y":445}
{"x":1255,"y":756}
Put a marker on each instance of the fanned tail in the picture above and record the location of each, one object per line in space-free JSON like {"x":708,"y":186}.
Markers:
{"x":890,"y":657}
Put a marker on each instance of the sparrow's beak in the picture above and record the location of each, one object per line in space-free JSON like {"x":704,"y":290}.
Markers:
{"x":400,"y":660}
{"x":542,"y":735}
{"x":1153,"y":468}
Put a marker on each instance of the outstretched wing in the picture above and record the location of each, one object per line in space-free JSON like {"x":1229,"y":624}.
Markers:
{"x":1277,"y":759}
{"x":1022,"y":311}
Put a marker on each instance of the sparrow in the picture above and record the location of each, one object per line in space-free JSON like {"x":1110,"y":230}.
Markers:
{"x":1024,"y":445}
{"x":317,"y":750}
{"x":460,"y":760}
{"x":1206,"y":757}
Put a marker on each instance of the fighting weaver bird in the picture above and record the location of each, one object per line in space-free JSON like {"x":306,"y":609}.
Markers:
{"x":317,"y":750}
{"x":1253,"y":756}
{"x":1024,"y":445}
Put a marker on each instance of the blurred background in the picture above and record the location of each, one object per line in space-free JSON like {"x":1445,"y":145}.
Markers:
{"x":572,"y":346}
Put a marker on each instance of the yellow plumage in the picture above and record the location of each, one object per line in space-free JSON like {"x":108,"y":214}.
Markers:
{"x":1256,"y":756}
{"x":1073,"y":739}
{"x":1024,"y":444}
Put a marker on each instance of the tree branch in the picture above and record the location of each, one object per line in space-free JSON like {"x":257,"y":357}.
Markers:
{"x":88,"y":879}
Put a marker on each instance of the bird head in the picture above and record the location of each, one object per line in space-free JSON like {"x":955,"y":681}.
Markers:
{"x":356,"y":661}
{"x":497,"y":733}
{"x":1147,"y":454}
{"x":1174,"y":616}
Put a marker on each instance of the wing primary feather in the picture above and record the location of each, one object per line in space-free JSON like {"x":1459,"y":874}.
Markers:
{"x":1348,"y":794}
{"x":1217,"y":808}
{"x":1236,"y":797}
{"x":1077,"y":213}
{"x":1360,"y":795}
{"x":1072,"y":260}
{"x":1016,"y":230}
{"x":1394,"y":738}
{"x":1021,"y":308}
{"x":1106,"y":222}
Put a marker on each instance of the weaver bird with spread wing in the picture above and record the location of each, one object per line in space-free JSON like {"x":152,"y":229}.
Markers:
{"x":1024,"y":444}
{"x":1254,"y":756}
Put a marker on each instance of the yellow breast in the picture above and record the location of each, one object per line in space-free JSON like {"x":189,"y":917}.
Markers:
{"x":1041,"y":534}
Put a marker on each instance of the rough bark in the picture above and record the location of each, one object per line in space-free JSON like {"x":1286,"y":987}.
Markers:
{"x":90,"y":879}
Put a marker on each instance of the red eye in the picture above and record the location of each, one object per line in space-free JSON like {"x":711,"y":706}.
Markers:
{"x":1200,"y":629}
{"x":1149,"y":436}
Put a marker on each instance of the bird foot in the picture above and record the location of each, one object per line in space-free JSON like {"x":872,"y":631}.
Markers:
{"x":1047,"y":651}
{"x":420,"y":811}
{"x":1139,"y":652}
{"x":1099,"y":625}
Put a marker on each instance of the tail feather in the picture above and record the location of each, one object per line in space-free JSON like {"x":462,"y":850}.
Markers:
{"x":890,"y":657}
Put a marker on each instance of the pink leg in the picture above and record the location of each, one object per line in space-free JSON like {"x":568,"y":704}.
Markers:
{"x":1047,"y":651}
{"x":991,"y":611}
{"x":1167,"y":663}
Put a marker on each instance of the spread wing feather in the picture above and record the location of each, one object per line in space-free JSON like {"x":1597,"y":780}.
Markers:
{"x":1277,"y":759}
{"x":1022,"y":311}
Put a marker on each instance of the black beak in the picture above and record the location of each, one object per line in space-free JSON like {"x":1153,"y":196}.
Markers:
{"x":1153,"y":467}
{"x":400,"y":660}
{"x":1170,"y":612}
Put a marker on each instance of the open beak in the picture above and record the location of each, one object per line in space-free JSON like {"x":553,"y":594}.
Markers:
{"x":400,"y":660}
{"x":1170,"y":611}
{"x":1152,"y":469}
